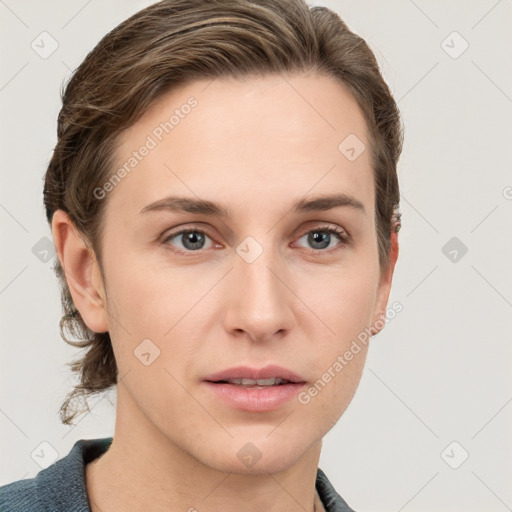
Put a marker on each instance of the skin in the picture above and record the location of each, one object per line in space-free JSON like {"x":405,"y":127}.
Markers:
{"x":255,"y":146}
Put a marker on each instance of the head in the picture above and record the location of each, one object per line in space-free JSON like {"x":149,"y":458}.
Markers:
{"x":259,"y":107}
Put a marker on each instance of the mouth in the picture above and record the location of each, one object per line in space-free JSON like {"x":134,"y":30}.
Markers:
{"x":271,"y":375}
{"x":255,"y":383}
{"x":256,"y":390}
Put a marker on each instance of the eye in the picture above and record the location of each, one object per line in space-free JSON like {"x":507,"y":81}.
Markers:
{"x":192,"y":240}
{"x":321,"y":237}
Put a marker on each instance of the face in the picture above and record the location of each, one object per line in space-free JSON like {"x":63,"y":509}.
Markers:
{"x":258,"y":278}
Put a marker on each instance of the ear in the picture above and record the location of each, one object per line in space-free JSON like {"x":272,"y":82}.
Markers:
{"x":82,"y":272}
{"x":379,"y":316}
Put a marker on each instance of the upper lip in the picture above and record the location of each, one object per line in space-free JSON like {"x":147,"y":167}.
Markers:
{"x":246,"y":372}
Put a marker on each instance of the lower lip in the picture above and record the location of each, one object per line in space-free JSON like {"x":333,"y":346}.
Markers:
{"x":256,"y":399}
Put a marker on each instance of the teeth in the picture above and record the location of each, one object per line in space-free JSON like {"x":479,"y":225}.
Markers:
{"x":257,"y":382}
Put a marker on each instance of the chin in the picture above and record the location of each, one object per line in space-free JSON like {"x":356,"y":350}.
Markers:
{"x":255,"y":454}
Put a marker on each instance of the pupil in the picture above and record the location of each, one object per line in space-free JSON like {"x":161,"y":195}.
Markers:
{"x":193,"y":240}
{"x":319,"y":237}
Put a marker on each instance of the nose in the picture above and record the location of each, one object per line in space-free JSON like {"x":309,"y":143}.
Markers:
{"x":259,"y":301}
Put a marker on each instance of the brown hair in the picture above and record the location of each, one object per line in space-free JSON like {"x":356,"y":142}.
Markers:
{"x":173,"y":42}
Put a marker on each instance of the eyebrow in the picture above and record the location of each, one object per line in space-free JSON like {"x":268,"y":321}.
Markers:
{"x":210,"y":208}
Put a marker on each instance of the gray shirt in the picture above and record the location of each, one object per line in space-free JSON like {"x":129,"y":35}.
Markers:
{"x":61,"y":487}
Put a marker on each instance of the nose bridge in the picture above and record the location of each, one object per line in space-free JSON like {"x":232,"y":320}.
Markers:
{"x":260,"y":304}
{"x":255,"y":268}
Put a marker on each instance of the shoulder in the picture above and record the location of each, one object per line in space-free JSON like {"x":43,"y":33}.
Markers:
{"x":59,"y":487}
{"x":20,"y":496}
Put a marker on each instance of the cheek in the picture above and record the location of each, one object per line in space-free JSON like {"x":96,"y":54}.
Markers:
{"x":346,"y":308}
{"x":140,"y":305}
{"x":142,"y":295}
{"x":162,"y":304}
{"x":346,"y":301}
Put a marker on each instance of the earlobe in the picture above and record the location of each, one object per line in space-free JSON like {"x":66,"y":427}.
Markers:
{"x":82,"y":272}
{"x":379,"y":318}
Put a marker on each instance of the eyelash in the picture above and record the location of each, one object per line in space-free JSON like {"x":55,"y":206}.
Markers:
{"x":344,"y":237}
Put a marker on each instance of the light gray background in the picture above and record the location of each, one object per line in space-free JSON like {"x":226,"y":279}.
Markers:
{"x":438,"y":373}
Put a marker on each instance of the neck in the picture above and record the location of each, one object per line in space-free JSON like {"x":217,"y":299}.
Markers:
{"x":143,"y":466}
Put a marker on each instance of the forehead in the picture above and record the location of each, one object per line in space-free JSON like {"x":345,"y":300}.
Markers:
{"x":262,"y":139}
